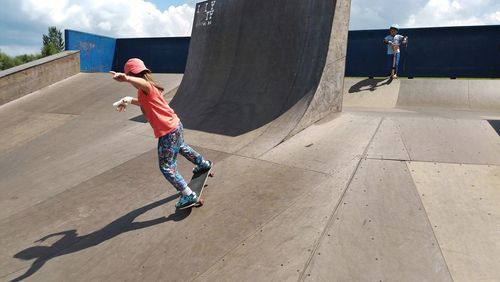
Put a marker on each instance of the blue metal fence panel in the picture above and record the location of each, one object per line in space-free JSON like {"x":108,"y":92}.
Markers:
{"x":472,"y":51}
{"x":96,"y":52}
{"x":161,"y":55}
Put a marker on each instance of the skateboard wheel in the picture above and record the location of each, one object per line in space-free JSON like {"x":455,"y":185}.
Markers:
{"x":201,"y":201}
{"x":211,"y":174}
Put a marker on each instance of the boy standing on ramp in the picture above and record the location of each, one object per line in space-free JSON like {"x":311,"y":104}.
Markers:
{"x":393,"y":41}
{"x":166,"y":126}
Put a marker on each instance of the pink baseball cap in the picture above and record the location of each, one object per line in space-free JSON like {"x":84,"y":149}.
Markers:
{"x":135,"y":66}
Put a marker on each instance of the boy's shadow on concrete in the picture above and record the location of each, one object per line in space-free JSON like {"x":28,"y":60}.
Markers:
{"x":71,"y":242}
{"x":369,"y":85}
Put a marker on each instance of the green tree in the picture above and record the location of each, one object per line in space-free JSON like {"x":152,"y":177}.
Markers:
{"x":6,"y":61}
{"x":53,"y":42}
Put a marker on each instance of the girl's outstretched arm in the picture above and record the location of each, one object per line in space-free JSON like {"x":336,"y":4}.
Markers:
{"x":137,"y":82}
{"x":121,"y":105}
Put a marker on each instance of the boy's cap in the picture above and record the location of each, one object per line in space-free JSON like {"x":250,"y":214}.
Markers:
{"x":135,"y":66}
{"x":395,"y":26}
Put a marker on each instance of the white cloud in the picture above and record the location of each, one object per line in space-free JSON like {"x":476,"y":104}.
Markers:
{"x":115,"y":18}
{"x":451,"y":13}
{"x":15,"y":50}
{"x":494,"y":17}
{"x":377,"y":14}
{"x":26,"y":20}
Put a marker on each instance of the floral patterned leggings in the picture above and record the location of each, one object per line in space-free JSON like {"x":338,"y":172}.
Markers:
{"x":169,"y":146}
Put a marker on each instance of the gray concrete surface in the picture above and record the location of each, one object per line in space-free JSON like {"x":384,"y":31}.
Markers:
{"x":375,"y":193}
{"x":359,"y":195}
{"x":379,"y":232}
{"x":328,"y":95}
{"x":374,"y":93}
{"x":462,"y":204}
{"x":24,"y":79}
{"x":243,"y":104}
{"x":474,"y":95}
{"x":68,"y":130}
{"x":440,"y":93}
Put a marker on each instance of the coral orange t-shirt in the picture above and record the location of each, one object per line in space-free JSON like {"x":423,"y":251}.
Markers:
{"x":162,"y":118}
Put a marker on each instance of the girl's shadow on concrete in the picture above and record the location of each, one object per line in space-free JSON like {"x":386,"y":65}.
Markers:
{"x":71,"y":242}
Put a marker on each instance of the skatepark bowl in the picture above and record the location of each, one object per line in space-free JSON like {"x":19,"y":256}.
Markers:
{"x":408,"y":193}
{"x":399,"y":181}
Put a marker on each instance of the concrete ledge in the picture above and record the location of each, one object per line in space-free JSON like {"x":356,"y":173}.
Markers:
{"x":27,"y":78}
{"x":460,"y":94}
{"x":484,"y":95}
{"x":434,"y":93}
{"x":480,"y":95}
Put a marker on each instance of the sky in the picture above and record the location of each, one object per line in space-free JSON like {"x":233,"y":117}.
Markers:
{"x":23,"y":22}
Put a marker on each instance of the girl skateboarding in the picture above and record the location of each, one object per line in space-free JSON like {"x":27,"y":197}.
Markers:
{"x":393,"y":41}
{"x":166,"y":126}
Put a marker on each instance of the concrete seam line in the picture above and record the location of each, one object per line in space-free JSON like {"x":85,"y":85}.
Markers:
{"x":468,"y":95}
{"x":330,"y":221}
{"x":403,"y":141}
{"x":259,"y":229}
{"x":428,"y":220}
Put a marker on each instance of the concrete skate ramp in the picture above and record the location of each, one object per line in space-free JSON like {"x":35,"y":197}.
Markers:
{"x":480,"y":95}
{"x":82,"y":198}
{"x":251,"y":62}
{"x":21,"y":80}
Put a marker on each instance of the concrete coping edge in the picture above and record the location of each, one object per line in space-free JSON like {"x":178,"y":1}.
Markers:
{"x":36,"y":63}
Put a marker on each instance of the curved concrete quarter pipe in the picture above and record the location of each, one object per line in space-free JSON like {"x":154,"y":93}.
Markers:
{"x":260,"y":71}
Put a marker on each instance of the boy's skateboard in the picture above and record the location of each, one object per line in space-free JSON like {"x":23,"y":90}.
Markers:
{"x":197,"y":183}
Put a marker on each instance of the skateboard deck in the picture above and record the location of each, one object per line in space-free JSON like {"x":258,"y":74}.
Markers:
{"x":197,"y":184}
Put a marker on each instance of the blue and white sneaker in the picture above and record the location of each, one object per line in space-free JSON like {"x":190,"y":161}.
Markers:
{"x":204,"y":166}
{"x":185,"y":201}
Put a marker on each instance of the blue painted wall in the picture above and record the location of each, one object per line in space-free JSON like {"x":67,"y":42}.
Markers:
{"x":436,"y":52}
{"x":96,"y":52}
{"x":102,"y":54}
{"x":161,"y":55}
